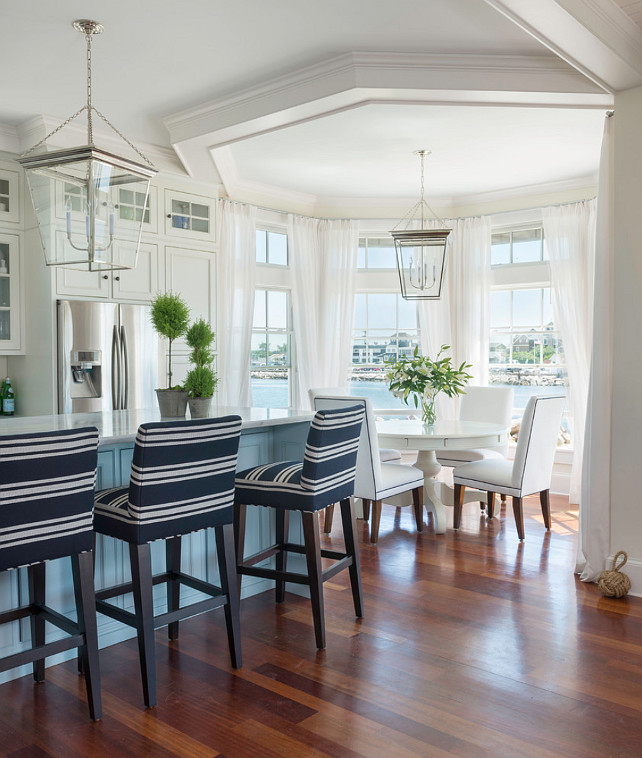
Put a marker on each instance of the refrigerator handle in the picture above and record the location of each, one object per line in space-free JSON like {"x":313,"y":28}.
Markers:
{"x":124,"y":373}
{"x":115,"y":370}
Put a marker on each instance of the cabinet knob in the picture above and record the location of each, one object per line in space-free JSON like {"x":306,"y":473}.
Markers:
{"x":169,"y":215}
{"x":105,"y":276}
{"x":117,"y":278}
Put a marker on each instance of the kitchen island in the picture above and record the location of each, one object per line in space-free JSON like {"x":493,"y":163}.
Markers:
{"x":267,"y":435}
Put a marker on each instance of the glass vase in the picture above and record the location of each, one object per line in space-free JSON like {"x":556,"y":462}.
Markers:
{"x":428,"y":412}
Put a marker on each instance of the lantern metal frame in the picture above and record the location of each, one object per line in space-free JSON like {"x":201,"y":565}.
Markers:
{"x":103,"y":166}
{"x":418,"y":276}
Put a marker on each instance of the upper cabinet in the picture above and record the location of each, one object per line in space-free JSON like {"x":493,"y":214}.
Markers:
{"x":139,"y":284}
{"x":9,"y":195}
{"x":10,"y":299}
{"x":189,"y":217}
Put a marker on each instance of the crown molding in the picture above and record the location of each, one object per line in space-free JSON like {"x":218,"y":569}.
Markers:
{"x":9,"y":141}
{"x":37,"y":128}
{"x":594,"y":36}
{"x":354,"y":78}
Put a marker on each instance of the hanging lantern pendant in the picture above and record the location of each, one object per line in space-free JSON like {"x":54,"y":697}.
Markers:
{"x":85,"y":186}
{"x":421,"y":253}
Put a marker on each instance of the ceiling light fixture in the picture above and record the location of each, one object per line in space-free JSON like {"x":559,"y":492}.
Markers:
{"x":421,"y":253}
{"x":99,"y":197}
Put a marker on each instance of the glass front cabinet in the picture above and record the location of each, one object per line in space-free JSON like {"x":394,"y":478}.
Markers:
{"x":10,"y":321}
{"x":189,"y":216}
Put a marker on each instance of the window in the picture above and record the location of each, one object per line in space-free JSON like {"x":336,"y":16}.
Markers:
{"x":271,"y":351}
{"x":385,"y":328}
{"x":271,"y":248}
{"x":525,"y":349}
{"x":517,"y":246}
{"x":376,"y":253}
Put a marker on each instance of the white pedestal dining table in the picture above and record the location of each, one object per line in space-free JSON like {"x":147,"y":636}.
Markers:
{"x":427,"y":439}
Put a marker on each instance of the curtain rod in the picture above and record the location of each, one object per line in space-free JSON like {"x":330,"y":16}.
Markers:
{"x":446,"y":218}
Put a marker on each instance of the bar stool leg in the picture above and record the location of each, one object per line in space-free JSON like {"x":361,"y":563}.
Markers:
{"x":173,"y":565}
{"x":141,"y":565}
{"x":82,"y":569}
{"x":36,"y":580}
{"x":349,"y":523}
{"x":226,"y":557}
{"x":240,"y":515}
{"x":282,"y":536}
{"x":312,"y":541}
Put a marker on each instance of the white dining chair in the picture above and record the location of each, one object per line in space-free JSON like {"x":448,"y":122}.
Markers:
{"x":493,"y":405}
{"x":375,"y":481}
{"x":386,"y":454}
{"x":531,"y":470}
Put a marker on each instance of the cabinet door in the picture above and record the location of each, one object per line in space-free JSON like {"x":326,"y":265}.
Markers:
{"x":11,"y":325}
{"x":192,"y":274}
{"x":9,"y":195}
{"x":140,"y":283}
{"x":189,"y":216}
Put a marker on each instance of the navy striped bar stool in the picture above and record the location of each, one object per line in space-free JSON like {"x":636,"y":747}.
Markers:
{"x":46,"y":501}
{"x":325,"y":476}
{"x":182,"y":481}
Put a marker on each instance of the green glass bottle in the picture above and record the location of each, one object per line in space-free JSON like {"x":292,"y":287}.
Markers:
{"x":4,"y":381}
{"x":8,"y":399}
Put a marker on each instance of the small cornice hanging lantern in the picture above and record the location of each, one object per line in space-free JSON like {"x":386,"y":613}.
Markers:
{"x":421,"y":253}
{"x":99,"y":198}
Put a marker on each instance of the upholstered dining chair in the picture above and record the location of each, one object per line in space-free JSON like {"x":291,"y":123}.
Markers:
{"x":529,"y":472}
{"x":386,"y":454}
{"x":375,"y":481}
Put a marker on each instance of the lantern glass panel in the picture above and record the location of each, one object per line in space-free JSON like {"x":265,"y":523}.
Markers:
{"x":421,"y":267}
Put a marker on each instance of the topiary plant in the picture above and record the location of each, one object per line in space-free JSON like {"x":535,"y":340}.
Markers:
{"x":170,"y":318}
{"x":201,"y":381}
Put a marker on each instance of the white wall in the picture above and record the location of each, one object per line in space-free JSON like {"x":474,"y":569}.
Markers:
{"x":626,"y":505}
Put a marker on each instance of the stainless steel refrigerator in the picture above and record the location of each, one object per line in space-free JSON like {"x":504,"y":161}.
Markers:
{"x":109,"y":357}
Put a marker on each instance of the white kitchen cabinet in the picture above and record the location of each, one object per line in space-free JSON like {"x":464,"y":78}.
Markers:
{"x":11,"y":316}
{"x":192,"y":275}
{"x":190,"y":217}
{"x":139,"y":284}
{"x":9,"y":195}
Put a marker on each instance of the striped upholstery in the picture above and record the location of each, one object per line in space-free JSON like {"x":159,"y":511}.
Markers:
{"x":182,"y":480}
{"x":326,"y":474}
{"x":46,"y":495}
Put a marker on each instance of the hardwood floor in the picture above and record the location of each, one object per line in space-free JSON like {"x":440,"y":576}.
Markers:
{"x":472,"y":645}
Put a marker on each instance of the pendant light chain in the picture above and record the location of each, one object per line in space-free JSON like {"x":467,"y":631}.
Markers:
{"x":90,"y":125}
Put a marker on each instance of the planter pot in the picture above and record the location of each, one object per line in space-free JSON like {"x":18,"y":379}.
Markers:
{"x":199,"y":407}
{"x":172,"y":403}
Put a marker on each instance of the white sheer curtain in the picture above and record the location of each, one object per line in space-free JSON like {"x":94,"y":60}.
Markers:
{"x":323,"y":261}
{"x":460,"y":317}
{"x":569,"y":232}
{"x":236,"y":279}
{"x":595,"y":500}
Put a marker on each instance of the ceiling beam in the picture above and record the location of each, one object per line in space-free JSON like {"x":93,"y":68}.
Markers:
{"x":594,"y":36}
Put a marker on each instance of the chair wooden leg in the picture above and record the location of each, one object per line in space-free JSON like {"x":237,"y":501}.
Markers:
{"x":503,"y":497}
{"x":240,"y":515}
{"x":519,"y":516}
{"x":141,"y":565}
{"x":366,"y":509}
{"x":226,"y":557}
{"x":282,"y":536}
{"x":418,"y":507}
{"x":349,"y":523}
{"x":545,"y":502}
{"x":328,"y":515}
{"x":173,"y":564}
{"x":82,"y":569}
{"x":490,"y":501}
{"x":312,"y":542}
{"x":376,"y":520}
{"x":36,"y":580}
{"x":460,"y":489}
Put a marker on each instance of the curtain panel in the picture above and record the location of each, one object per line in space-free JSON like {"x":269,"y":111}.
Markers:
{"x":323,"y":261}
{"x":236,"y":282}
{"x":569,"y":234}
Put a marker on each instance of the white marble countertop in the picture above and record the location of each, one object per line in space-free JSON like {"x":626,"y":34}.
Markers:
{"x":121,"y":426}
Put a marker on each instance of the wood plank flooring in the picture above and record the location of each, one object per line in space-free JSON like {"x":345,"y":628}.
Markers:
{"x":472,"y":645}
